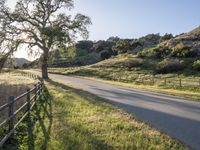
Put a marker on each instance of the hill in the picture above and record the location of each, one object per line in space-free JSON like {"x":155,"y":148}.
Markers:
{"x":164,"y":54}
{"x":91,"y":52}
{"x":17,"y":62}
{"x":190,"y":40}
{"x":20,"y":61}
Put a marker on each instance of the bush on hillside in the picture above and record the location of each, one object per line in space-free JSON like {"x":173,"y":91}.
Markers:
{"x":85,"y":45}
{"x":166,"y":37}
{"x":181,"y":50}
{"x":102,"y":45}
{"x":196,"y":65}
{"x":137,"y":62}
{"x":155,"y":52}
{"x":123,"y":46}
{"x":105,"y":54}
{"x":170,"y":65}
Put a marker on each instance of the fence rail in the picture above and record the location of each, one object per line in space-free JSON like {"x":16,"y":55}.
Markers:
{"x":32,"y":95}
{"x":174,"y":81}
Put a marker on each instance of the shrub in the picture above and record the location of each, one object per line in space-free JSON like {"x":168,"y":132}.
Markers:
{"x":196,"y":65}
{"x":155,"y":52}
{"x":123,"y":46}
{"x":102,"y":45}
{"x":180,"y":50}
{"x":25,"y":65}
{"x":105,"y":54}
{"x":166,"y":37}
{"x":16,"y":67}
{"x":85,"y":45}
{"x":135,"y":63}
{"x":170,"y":65}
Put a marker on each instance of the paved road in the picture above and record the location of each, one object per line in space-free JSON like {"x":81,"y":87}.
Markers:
{"x":179,"y":118}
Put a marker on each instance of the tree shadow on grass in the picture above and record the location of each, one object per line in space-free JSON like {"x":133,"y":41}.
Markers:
{"x":42,"y":112}
{"x":24,"y":134}
{"x":75,"y":130}
{"x":83,"y":93}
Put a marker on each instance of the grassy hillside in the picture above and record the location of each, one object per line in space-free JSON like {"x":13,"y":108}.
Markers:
{"x":68,"y":118}
{"x":128,"y":66}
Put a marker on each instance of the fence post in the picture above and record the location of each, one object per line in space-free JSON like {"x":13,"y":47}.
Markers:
{"x":165,"y":82}
{"x":35,"y":92}
{"x":180,"y":82}
{"x":39,"y":86}
{"x":153,"y":79}
{"x":42,"y":85}
{"x":28,"y":100}
{"x":10,"y":112}
{"x":142,"y":80}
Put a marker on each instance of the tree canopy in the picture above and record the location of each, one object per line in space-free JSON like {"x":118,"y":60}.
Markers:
{"x":39,"y":24}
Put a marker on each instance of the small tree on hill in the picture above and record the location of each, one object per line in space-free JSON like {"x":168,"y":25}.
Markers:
{"x":39,"y":24}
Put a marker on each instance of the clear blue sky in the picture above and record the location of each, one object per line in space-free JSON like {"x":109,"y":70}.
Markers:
{"x":135,"y":18}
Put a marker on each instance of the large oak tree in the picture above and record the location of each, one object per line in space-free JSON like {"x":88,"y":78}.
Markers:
{"x":39,"y":24}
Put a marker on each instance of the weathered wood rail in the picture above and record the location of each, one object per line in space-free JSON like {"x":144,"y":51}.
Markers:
{"x":171,"y":82}
{"x":32,"y":96}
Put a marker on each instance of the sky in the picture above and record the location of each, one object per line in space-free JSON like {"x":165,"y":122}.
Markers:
{"x":136,"y":18}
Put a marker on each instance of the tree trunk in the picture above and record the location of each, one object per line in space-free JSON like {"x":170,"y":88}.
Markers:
{"x":45,"y":65}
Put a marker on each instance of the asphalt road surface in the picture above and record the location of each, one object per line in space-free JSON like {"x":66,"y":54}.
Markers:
{"x":177,"y":117}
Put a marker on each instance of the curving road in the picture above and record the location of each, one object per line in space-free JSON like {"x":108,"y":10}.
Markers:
{"x":175,"y":116}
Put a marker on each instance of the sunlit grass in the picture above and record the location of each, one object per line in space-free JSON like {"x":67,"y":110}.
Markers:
{"x":14,"y":78}
{"x":74,"y":119}
{"x":13,"y":84}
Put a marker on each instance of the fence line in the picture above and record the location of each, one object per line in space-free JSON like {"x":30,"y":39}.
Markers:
{"x":29,"y":75}
{"x":178,"y":82}
{"x":28,"y":105}
{"x":158,"y":80}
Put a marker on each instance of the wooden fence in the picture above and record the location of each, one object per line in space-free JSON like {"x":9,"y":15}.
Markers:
{"x":28,"y":74}
{"x":171,"y":81}
{"x":32,"y":95}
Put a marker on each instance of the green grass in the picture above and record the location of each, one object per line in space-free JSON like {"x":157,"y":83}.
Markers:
{"x":68,"y":118}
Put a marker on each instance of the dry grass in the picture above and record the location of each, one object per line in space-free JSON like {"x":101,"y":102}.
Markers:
{"x":13,"y":84}
{"x":14,"y":79}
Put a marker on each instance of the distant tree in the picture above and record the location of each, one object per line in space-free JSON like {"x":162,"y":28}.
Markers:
{"x":166,"y":37}
{"x":25,"y":65}
{"x":102,"y":45}
{"x":85,"y":45}
{"x":113,"y":39}
{"x":105,"y":54}
{"x":40,"y":24}
{"x":56,"y":55}
{"x":123,"y":46}
{"x":16,"y":67}
{"x":99,"y":46}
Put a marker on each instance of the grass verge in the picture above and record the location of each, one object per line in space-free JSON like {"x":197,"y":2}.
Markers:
{"x":187,"y":95}
{"x":68,"y":118}
{"x":187,"y":92}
